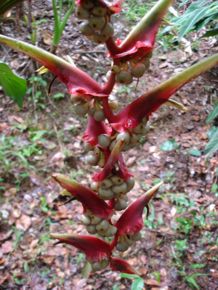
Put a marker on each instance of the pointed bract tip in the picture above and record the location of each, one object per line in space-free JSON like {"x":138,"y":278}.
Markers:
{"x":122,"y":266}
{"x":150,"y":193}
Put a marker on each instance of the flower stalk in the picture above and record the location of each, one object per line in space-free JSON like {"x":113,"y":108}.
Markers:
{"x":109,"y":134}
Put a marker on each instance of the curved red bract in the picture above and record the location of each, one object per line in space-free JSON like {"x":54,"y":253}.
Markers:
{"x":131,"y":221}
{"x":94,"y":129}
{"x":94,"y":248}
{"x":86,"y":196}
{"x":121,"y":265}
{"x":111,"y":161}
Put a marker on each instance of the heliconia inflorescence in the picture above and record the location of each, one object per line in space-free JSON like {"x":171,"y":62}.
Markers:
{"x":108,"y":134}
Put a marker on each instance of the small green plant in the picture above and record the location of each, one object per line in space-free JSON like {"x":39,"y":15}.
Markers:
{"x":199,"y":14}
{"x":133,"y":11}
{"x":137,"y":281}
{"x":212,"y":145}
{"x":59,"y":22}
{"x":191,"y":280}
{"x":37,"y":90}
{"x":18,"y":236}
{"x":169,"y":145}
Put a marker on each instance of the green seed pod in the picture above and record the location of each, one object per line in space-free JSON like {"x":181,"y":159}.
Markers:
{"x":86,"y":29}
{"x":130,"y":183}
{"x":120,"y":204}
{"x":116,"y":180}
{"x":108,"y":233}
{"x":113,"y":230}
{"x":107,"y":31}
{"x":104,"y":140}
{"x":85,"y":220}
{"x":115,"y":68}
{"x":113,"y":104}
{"x":91,"y":229}
{"x":105,"y":194}
{"x":124,"y":136}
{"x":96,"y":266}
{"x":120,"y":189}
{"x":106,"y":183}
{"x":99,"y":115}
{"x":103,"y":226}
{"x":81,"y":108}
{"x":92,"y":158}
{"x":95,"y":220}
{"x":94,"y":186}
{"x":97,"y":23}
{"x":138,"y":70}
{"x":113,"y":143}
{"x":82,"y":13}
{"x":101,"y":233}
{"x":124,"y":77}
{"x":99,"y":11}
{"x":122,"y":247}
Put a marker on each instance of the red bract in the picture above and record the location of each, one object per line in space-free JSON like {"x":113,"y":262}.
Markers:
{"x":140,"y":40}
{"x":143,"y":106}
{"x":109,"y":165}
{"x":94,"y":248}
{"x":114,"y":7}
{"x":131,"y":221}
{"x":87,"y":197}
{"x":77,"y":81}
{"x":121,"y":265}
{"x":94,"y":129}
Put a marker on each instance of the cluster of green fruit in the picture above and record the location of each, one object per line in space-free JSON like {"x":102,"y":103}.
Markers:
{"x":127,"y":70}
{"x":97,"y":25}
{"x":93,"y":107}
{"x":132,"y":138}
{"x":125,"y":241}
{"x":114,"y":188}
{"x":96,"y":225}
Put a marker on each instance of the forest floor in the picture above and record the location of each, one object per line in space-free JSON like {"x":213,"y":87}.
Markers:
{"x":179,"y":248}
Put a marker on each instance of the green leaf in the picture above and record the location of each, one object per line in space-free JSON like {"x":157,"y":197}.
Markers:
{"x":197,"y":266}
{"x":194,"y":152}
{"x":138,"y":284}
{"x":212,"y":145}
{"x":191,"y":280}
{"x":181,"y":245}
{"x":129,"y":276}
{"x":192,"y":21}
{"x":212,"y":114}
{"x":169,"y":145}
{"x":212,"y":32}
{"x":13,"y":85}
{"x":214,"y":188}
